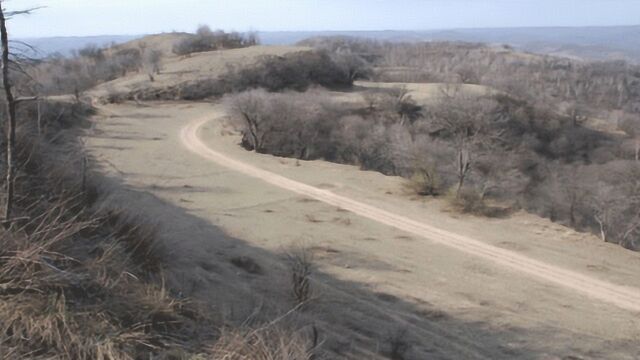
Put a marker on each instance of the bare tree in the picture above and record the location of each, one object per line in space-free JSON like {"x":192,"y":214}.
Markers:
{"x":397,"y":103}
{"x":251,"y":108}
{"x":615,"y":201}
{"x":151,"y":59}
{"x":467,"y":122}
{"x":631,"y":126}
{"x":11,"y":109}
{"x":352,"y":64}
{"x":468,"y":75}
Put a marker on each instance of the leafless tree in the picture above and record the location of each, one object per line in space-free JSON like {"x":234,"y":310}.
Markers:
{"x":631,"y":126}
{"x":352,"y":64}
{"x":395,"y":103}
{"x":151,"y":59}
{"x":615,"y":201}
{"x":12,"y":102}
{"x":250,"y":107}
{"x":467,"y":123}
{"x":468,"y":75}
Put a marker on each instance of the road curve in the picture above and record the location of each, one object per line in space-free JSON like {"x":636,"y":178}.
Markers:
{"x":624,"y":297}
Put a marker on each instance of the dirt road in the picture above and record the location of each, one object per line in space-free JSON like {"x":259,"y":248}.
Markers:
{"x":627,"y":298}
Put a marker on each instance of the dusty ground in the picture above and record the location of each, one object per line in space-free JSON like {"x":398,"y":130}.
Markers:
{"x":373,"y":279}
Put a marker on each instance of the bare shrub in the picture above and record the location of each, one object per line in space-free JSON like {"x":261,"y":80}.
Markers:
{"x":631,"y":126}
{"x":467,"y":201}
{"x":425,"y":181}
{"x":86,"y":69}
{"x":615,"y":202}
{"x":207,"y":40}
{"x":300,"y":260}
{"x":396,"y":104}
{"x":295,"y":71}
{"x":283,"y":124}
{"x":467,"y":122}
{"x":151,"y":60}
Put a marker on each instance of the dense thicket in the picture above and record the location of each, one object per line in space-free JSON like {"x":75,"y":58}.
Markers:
{"x":293,"y":71}
{"x":207,"y":40}
{"x":569,"y":84}
{"x":482,"y":149}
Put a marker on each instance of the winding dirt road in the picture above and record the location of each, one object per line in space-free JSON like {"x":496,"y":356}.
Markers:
{"x":620,"y":296}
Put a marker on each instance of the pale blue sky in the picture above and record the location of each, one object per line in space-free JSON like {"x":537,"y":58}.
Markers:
{"x":99,"y":17}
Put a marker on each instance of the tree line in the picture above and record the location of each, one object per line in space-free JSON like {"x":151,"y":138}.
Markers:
{"x":489,"y":154}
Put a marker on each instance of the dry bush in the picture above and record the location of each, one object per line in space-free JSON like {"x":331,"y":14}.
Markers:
{"x":424,"y":182}
{"x":295,"y":71}
{"x":87,"y":68}
{"x":467,"y":201}
{"x":283,"y":124}
{"x":270,"y":343}
{"x":69,"y":295}
{"x":76,"y":283}
{"x":207,"y":40}
{"x":300,"y":260}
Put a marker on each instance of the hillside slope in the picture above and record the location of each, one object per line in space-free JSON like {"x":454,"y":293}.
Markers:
{"x":176,"y":71}
{"x":372,"y":280}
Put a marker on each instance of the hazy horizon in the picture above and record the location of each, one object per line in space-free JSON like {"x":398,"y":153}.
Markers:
{"x":123,"y":17}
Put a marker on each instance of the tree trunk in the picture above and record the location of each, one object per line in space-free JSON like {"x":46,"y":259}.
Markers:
{"x":638,"y":149}
{"x":11,"y":106}
{"x":463,"y":170}
{"x":460,"y":184}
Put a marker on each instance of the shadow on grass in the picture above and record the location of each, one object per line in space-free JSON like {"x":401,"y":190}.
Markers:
{"x":354,"y":321}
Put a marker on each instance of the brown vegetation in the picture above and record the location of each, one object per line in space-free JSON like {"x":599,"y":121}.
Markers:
{"x":269,"y":343}
{"x":492,"y":147}
{"x":301,"y":265}
{"x":78,"y":283}
{"x":89,"y":67}
{"x":207,"y":40}
{"x":524,"y":146}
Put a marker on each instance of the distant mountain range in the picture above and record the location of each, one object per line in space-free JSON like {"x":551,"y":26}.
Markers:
{"x":594,"y":43}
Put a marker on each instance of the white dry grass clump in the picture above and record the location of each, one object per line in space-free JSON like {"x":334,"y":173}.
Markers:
{"x":270,"y":343}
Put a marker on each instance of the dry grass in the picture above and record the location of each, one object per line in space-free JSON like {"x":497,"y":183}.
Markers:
{"x":300,"y":260}
{"x":68,"y":296}
{"x":467,"y":201}
{"x":77,"y":283}
{"x":424,"y":182}
{"x":270,"y":343}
